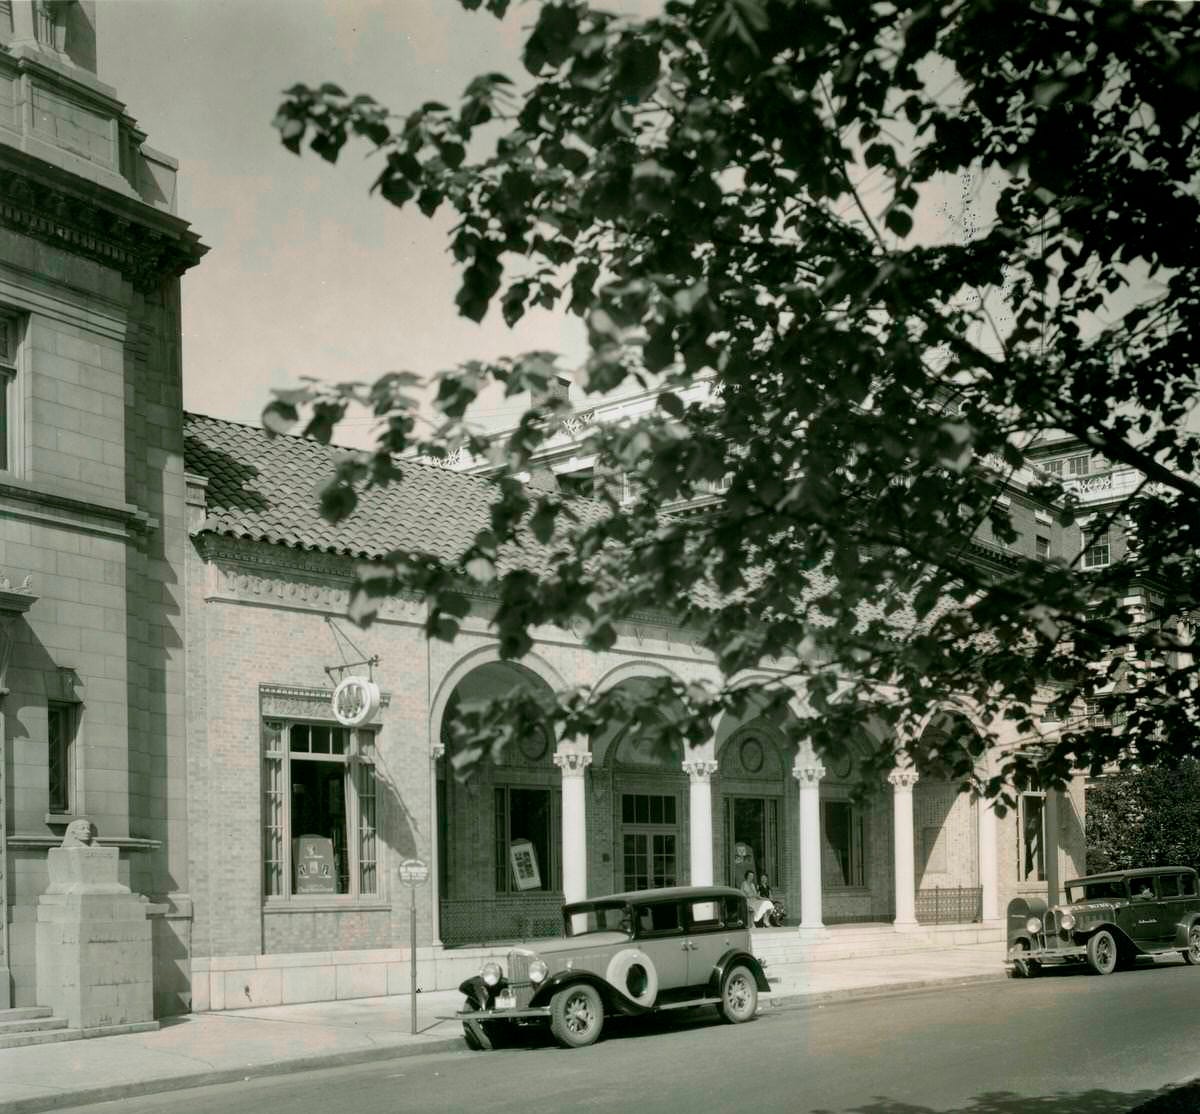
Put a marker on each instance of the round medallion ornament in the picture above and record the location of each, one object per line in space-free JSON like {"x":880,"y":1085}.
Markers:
{"x":355,"y":701}
{"x":533,"y":745}
{"x":842,"y":767}
{"x":751,"y":753}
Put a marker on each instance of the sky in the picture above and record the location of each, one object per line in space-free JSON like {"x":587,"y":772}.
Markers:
{"x":307,"y":274}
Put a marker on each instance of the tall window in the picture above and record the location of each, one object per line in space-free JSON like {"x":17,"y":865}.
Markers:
{"x":60,"y":758}
{"x":319,"y":810}
{"x":1031,"y":831}
{"x":845,"y":833}
{"x":649,"y":840}
{"x":1096,"y":552}
{"x":1041,"y":546}
{"x":9,"y":340}
{"x":526,"y":852}
{"x":752,"y":838}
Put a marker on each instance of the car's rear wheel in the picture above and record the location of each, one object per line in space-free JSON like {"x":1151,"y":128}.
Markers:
{"x":1102,"y":953}
{"x":1191,"y":954}
{"x":739,"y":995}
{"x":1023,"y":968}
{"x":576,"y":1016}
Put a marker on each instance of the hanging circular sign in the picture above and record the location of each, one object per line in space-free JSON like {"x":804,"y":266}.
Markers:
{"x":355,"y":701}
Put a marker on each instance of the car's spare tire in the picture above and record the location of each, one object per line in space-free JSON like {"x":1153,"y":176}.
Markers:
{"x":632,"y":973}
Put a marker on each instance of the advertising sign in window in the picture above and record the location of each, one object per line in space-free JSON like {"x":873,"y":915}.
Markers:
{"x":314,"y":865}
{"x":525,"y":865}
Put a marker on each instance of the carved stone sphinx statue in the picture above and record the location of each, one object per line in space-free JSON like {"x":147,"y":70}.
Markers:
{"x":79,"y":833}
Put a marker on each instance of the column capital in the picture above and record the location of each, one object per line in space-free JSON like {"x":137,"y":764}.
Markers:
{"x":808,"y":773}
{"x":903,"y":779}
{"x":572,"y":762}
{"x":700,"y":769}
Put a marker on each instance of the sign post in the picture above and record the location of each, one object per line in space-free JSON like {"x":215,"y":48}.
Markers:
{"x":413,"y":872}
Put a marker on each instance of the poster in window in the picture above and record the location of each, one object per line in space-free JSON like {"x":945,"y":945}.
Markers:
{"x":313,"y":865}
{"x":523,"y":857}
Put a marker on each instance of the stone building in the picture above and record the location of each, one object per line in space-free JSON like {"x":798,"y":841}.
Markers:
{"x":271,"y":774}
{"x":92,"y":537}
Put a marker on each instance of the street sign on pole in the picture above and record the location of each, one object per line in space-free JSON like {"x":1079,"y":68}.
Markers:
{"x":413,"y":872}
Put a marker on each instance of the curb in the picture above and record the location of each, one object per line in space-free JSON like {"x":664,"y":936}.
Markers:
{"x":112,"y":1091}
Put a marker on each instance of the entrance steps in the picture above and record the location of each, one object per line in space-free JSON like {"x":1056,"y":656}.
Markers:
{"x":782,"y":946}
{"x":24,"y":1025}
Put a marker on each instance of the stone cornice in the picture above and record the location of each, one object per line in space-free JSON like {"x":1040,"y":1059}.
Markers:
{"x":83,"y":218}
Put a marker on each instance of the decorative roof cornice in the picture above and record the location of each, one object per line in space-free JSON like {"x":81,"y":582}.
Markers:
{"x":66,"y":211}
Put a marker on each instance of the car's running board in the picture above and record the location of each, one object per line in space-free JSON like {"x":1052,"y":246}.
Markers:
{"x":690,"y":1004}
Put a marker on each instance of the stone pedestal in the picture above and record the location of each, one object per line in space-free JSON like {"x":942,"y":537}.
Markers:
{"x":94,"y":956}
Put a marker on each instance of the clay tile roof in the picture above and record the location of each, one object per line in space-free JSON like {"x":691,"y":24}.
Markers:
{"x":267,"y":489}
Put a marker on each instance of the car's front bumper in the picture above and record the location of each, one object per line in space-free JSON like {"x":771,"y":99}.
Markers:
{"x":502,"y":1014}
{"x":1066,"y":953}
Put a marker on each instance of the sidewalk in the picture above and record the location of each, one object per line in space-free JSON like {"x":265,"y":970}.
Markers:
{"x":205,"y":1048}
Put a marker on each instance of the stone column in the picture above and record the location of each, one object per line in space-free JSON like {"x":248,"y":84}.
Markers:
{"x":574,"y":823}
{"x":700,"y":823}
{"x":903,"y":780}
{"x":809,"y":774}
{"x":14,"y":602}
{"x":435,"y":896}
{"x":989,"y":868}
{"x":1050,"y":850}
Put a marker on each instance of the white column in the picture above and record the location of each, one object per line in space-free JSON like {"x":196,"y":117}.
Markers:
{"x":903,"y":780}
{"x":1050,"y":843}
{"x":435,"y":898}
{"x":574,"y":823}
{"x":989,"y":877}
{"x":700,"y":824}
{"x":809,"y":774}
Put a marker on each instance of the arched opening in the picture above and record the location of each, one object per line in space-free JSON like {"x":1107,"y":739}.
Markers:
{"x":642,"y":764}
{"x":499,"y":829}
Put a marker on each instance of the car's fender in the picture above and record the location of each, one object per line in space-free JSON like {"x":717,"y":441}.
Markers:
{"x":1183,"y":927}
{"x":1125,"y":943}
{"x":477,"y":991}
{"x":614,"y":1001}
{"x":730,"y":959}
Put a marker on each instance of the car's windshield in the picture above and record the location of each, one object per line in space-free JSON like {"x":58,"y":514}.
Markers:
{"x":599,"y":918}
{"x":1096,"y":891}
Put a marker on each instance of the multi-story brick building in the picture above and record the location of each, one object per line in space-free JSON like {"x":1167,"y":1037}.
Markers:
{"x":92,"y":537}
{"x":271,"y":774}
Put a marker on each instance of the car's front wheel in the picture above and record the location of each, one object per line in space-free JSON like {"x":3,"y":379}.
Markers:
{"x":1102,"y":952}
{"x":1191,"y":954}
{"x":576,"y":1016}
{"x":739,"y":995}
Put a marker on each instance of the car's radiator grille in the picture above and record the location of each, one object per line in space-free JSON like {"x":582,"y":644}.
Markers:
{"x":518,"y":977}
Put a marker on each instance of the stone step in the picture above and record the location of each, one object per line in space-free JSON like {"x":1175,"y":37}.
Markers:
{"x":31,"y":1025}
{"x":25,"y":1013}
{"x":45,"y":1036}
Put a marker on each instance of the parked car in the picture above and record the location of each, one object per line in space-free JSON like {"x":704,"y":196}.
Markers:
{"x":635,"y":953}
{"x":1107,"y":921}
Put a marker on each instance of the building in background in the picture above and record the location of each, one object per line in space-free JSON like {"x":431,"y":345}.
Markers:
{"x":92,"y":536}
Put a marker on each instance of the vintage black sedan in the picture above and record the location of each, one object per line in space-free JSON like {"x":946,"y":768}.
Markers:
{"x":634,"y":953}
{"x":1107,"y":921}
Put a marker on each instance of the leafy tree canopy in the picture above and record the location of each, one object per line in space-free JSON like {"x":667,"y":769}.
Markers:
{"x":731,"y":192}
{"x":1145,"y":817}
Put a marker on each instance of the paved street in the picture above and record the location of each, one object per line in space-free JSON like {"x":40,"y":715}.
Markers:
{"x":1061,"y":1044}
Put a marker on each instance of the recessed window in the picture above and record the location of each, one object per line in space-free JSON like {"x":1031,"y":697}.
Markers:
{"x":61,"y":722}
{"x":844,"y":831}
{"x":649,"y":840}
{"x":1031,"y":852}
{"x":319,"y":811}
{"x":1096,"y":551}
{"x":1041,"y":547}
{"x":526,"y":856}
{"x":10,"y":338}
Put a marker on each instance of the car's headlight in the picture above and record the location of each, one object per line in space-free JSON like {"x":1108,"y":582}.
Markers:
{"x":538,"y":971}
{"x":491,"y":973}
{"x":1034,"y":924}
{"x":1066,"y":919}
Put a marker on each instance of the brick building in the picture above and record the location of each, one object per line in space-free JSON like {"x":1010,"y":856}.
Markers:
{"x":92,"y":537}
{"x":270,"y":771}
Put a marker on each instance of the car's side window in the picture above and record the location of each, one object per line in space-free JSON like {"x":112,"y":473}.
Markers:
{"x":1142,"y":889}
{"x":655,"y":920}
{"x":735,"y":916}
{"x":1168,"y":885}
{"x":703,"y":915}
{"x":1187,"y":885}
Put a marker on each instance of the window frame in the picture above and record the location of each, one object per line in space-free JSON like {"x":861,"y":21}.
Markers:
{"x":358,"y":761}
{"x":552,"y":871}
{"x":1038,"y":873}
{"x":12,"y":335}
{"x":67,"y":713}
{"x":649,"y":830}
{"x":1093,"y":546}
